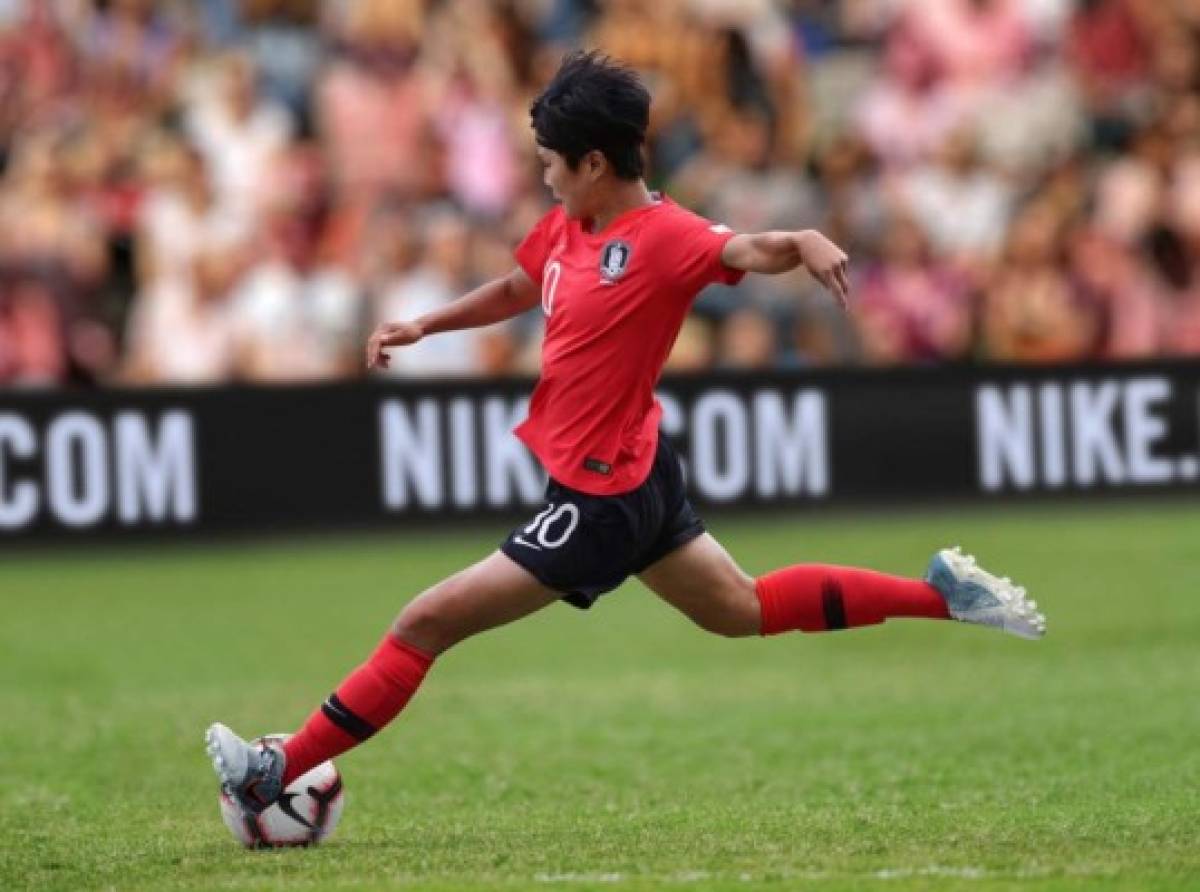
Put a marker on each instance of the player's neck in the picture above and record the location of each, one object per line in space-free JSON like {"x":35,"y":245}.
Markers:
{"x":624,"y":196}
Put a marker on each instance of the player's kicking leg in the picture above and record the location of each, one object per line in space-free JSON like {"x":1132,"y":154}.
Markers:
{"x":703,"y":581}
{"x":491,"y":593}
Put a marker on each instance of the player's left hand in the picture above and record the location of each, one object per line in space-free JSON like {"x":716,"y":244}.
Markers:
{"x":826,"y":262}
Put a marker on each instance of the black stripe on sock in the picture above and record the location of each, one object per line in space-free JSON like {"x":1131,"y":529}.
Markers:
{"x":833,"y":605}
{"x":342,"y":716}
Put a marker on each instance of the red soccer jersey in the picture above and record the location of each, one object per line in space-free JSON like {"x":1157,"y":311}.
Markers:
{"x":614,"y":302}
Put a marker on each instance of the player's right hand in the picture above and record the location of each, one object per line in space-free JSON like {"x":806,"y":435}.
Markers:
{"x":390,"y":334}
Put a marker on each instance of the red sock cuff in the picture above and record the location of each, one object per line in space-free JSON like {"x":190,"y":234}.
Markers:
{"x":409,"y":655}
{"x":388,"y":679}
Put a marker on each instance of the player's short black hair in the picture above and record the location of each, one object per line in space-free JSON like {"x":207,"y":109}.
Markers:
{"x":596,"y":103}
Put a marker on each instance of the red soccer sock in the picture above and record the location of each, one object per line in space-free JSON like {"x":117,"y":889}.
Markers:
{"x":370,"y":697}
{"x":823,"y":598}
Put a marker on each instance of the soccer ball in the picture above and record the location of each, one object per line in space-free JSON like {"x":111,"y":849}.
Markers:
{"x":306,"y":812}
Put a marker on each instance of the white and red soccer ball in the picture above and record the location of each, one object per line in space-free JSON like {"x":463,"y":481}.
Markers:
{"x":305,"y":813}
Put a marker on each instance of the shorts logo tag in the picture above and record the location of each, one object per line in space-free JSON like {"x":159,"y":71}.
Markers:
{"x":600,"y":467}
{"x":614,"y":259}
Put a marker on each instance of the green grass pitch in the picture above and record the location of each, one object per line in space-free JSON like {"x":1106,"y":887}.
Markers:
{"x":621,"y":748}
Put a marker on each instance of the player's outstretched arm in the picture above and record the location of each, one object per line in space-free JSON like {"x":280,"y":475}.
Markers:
{"x":493,"y":301}
{"x":779,"y":252}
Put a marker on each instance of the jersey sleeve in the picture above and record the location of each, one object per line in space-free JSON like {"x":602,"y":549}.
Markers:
{"x":699,"y":243}
{"x":535,"y":248}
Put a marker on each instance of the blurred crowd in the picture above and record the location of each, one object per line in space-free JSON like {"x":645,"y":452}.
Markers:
{"x":206,"y":191}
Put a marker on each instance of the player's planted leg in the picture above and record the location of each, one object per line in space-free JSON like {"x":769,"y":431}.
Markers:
{"x":493,"y":592}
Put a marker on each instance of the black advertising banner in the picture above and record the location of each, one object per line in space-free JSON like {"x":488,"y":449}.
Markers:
{"x":76,"y":464}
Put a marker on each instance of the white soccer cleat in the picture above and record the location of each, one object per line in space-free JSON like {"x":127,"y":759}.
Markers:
{"x":251,"y":775}
{"x":974,"y":595}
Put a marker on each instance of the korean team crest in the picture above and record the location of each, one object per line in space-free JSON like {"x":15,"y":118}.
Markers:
{"x":614,"y":259}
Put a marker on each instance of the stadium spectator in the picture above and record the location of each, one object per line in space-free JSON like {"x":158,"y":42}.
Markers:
{"x":181,"y":328}
{"x":180,"y":213}
{"x":912,"y":308}
{"x":297,"y":309}
{"x":372,"y":104}
{"x":32,"y":343}
{"x":238,"y":133}
{"x":283,"y":40}
{"x":1111,"y":276}
{"x":1031,"y":311}
{"x":962,"y":204}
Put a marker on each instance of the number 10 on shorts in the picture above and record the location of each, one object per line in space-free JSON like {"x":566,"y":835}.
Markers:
{"x":551,"y":528}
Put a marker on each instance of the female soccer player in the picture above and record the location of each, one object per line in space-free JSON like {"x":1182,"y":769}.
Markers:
{"x":615,"y":268}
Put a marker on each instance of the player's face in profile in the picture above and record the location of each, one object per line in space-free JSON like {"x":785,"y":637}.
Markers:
{"x":571,"y":187}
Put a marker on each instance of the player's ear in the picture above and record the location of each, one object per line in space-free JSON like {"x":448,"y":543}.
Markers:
{"x":595,"y":164}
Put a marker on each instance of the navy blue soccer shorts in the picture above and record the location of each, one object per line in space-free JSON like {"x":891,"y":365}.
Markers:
{"x":584,"y":545}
